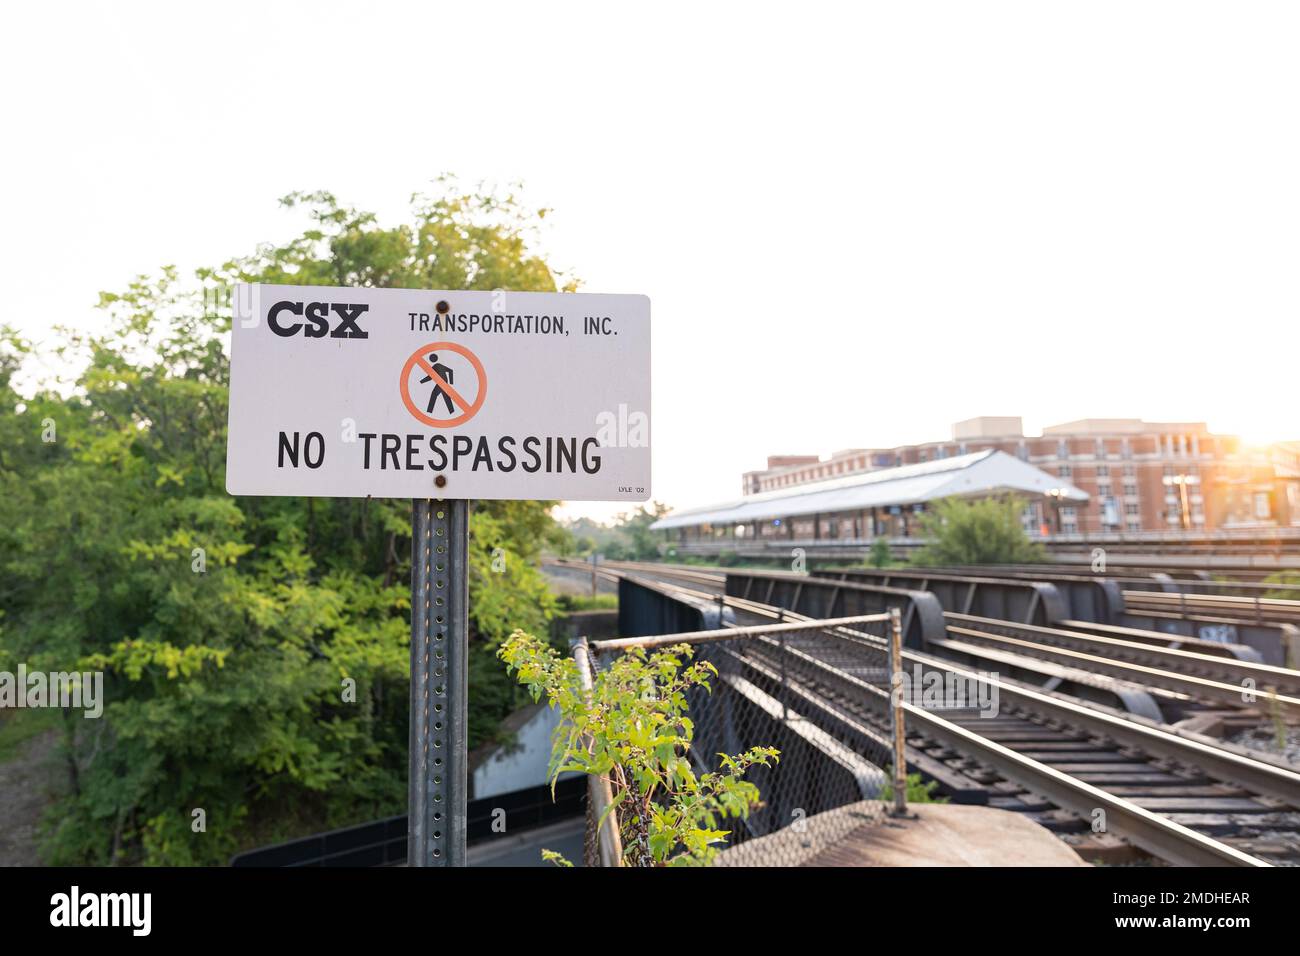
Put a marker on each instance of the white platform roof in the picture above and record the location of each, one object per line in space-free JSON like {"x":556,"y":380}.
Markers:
{"x":977,"y":475}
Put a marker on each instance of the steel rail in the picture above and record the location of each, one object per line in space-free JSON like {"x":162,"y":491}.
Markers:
{"x":1162,"y":639}
{"x":1158,"y":835}
{"x":711,"y":636}
{"x":1171,"y":743}
{"x":1151,"y":831}
{"x":1064,"y":652}
{"x":1245,"y":609}
{"x":1163,"y":656}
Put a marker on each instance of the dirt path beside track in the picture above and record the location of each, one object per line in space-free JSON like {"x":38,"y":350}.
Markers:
{"x":28,"y":784}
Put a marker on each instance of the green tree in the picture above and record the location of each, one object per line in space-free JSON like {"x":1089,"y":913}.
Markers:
{"x":627,"y":538}
{"x":255,"y":649}
{"x":980,"y":531}
{"x":642,"y":542}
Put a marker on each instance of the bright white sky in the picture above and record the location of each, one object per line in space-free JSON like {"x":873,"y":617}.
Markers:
{"x":856,"y":226}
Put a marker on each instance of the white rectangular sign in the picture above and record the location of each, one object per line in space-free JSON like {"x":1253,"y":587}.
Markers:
{"x":415,"y":394}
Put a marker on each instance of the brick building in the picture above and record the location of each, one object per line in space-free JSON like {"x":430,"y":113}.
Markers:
{"x":1140,"y":476}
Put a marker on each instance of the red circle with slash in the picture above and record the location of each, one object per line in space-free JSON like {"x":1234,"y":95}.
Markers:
{"x":468,"y":409}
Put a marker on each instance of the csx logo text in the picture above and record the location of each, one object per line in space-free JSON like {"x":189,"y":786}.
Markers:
{"x":318,"y":320}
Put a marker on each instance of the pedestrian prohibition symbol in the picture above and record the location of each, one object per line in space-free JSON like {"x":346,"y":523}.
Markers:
{"x":443,"y":384}
{"x":568,"y":417}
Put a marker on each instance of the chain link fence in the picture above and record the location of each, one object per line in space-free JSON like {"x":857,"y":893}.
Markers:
{"x":772,"y":691}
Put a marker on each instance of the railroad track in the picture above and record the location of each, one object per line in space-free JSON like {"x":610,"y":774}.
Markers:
{"x":1215,"y":608}
{"x":1209,"y":679}
{"x":1227,"y":608}
{"x":1182,"y":799}
{"x":613,"y":570}
{"x":1143,"y":660}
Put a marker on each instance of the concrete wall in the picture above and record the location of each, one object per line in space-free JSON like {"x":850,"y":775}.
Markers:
{"x":596,"y":625}
{"x":522,"y":764}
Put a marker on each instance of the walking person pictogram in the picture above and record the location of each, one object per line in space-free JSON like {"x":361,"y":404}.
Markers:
{"x":444,"y":373}
{"x":445,"y":397}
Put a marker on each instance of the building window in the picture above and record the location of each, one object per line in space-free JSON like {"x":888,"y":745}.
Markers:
{"x":1029,"y":519}
{"x":1130,"y":489}
{"x":1103,"y":471}
{"x":1065,"y":471}
{"x":1069,"y":520}
{"x":1109,"y":511}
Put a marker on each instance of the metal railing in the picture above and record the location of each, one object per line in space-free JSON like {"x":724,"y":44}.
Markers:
{"x":762,"y":697}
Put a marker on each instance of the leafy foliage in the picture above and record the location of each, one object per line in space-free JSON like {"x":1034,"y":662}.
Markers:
{"x":632,"y":730}
{"x":918,"y":790}
{"x":226,"y":685}
{"x":1288,"y":579}
{"x":582,"y":602}
{"x":628,"y":538}
{"x":983,"y":531}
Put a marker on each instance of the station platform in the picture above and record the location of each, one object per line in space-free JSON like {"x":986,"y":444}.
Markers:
{"x":933,"y":834}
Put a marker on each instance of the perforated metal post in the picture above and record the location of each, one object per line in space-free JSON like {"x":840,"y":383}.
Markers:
{"x":439,"y":683}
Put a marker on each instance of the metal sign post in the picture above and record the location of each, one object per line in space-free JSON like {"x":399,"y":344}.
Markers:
{"x":347,"y":392}
{"x":439,"y":683}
